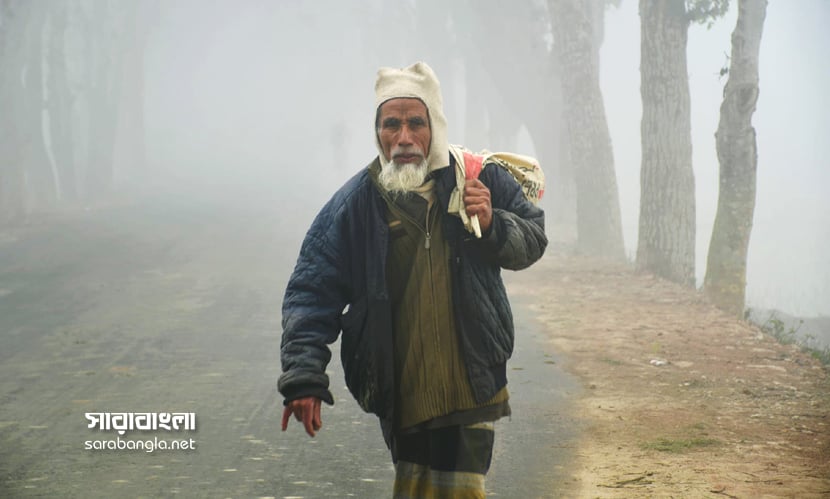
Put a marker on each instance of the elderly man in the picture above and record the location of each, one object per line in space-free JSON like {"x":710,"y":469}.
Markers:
{"x":426,"y":324}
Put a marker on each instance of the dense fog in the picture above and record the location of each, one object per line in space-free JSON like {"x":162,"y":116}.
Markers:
{"x":251,"y":94}
{"x":161,"y":161}
{"x":273,"y":102}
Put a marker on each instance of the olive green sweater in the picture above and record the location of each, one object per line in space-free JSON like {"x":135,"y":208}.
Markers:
{"x":429,"y":367}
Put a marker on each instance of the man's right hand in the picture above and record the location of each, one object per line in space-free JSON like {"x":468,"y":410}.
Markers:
{"x":307,"y":411}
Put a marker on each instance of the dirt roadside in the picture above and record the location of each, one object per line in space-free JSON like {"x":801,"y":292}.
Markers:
{"x":680,"y":400}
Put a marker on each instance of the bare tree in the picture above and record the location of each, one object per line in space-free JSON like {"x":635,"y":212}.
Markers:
{"x":76,"y":93}
{"x":104,"y":79}
{"x":59,"y":102}
{"x":666,"y":239}
{"x":28,"y":182}
{"x":129,"y":157}
{"x":12,"y":176}
{"x":577,"y":28}
{"x":43,"y":181}
{"x":725,"y":281}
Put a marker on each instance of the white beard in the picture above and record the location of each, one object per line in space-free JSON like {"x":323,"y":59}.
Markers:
{"x":402,"y":178}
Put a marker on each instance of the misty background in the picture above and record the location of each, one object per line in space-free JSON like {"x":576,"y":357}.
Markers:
{"x":161,"y":160}
{"x":276,"y":100}
{"x":270,"y":104}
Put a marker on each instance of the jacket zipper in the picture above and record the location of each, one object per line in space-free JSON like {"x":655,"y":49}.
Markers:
{"x":427,"y":235}
{"x":426,"y":231}
{"x":427,"y":246}
{"x":431,"y":277}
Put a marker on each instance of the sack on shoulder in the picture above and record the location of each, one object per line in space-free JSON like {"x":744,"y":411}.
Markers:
{"x":524,"y":169}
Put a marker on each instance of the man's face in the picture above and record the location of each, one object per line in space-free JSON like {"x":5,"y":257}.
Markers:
{"x":403,"y":131}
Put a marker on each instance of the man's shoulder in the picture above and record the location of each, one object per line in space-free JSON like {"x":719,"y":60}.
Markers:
{"x":354,"y":190}
{"x":495,"y":176}
{"x":357,"y":182}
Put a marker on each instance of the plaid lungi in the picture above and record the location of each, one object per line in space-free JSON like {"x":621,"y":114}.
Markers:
{"x":448,"y":462}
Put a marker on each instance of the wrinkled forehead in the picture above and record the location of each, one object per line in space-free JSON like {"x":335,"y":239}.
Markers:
{"x":402,"y":107}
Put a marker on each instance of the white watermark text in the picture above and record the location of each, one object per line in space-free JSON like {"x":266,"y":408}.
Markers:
{"x":146,"y":445}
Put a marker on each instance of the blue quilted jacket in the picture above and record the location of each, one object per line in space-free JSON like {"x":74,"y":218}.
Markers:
{"x":339,"y":285}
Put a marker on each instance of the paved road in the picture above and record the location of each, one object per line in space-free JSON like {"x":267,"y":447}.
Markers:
{"x":175,"y":308}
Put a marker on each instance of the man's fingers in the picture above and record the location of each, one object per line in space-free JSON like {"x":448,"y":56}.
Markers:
{"x":308,"y":415}
{"x":474,"y":188}
{"x":476,"y":197}
{"x":477,"y":202}
{"x":318,"y":421}
{"x":472,"y":198}
{"x":306,"y":411}
{"x":474,"y":208}
{"x":474,"y":183}
{"x":483,"y":210}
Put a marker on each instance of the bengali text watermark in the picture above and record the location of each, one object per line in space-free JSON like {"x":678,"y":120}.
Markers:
{"x":123,"y":422}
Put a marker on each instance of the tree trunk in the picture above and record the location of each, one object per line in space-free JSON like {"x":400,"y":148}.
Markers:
{"x":41,"y":178}
{"x":12,"y":184}
{"x":24,"y":167}
{"x":104,"y":58}
{"x":599,"y":228}
{"x":666,"y":240}
{"x":550,"y":136}
{"x":725,"y":281}
{"x":130,"y":150}
{"x":59,"y":104}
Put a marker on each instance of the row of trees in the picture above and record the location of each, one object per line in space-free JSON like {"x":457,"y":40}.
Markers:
{"x":562,"y":108}
{"x":73,"y":71}
{"x":667,"y":205}
{"x":561,"y":105}
{"x":666,"y":237}
{"x":70,"y":73}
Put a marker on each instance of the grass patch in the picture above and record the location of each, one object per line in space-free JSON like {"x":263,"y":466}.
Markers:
{"x":678,"y":446}
{"x":821,"y":354}
{"x":788,"y":335}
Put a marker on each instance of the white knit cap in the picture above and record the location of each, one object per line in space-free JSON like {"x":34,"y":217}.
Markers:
{"x":417,"y":81}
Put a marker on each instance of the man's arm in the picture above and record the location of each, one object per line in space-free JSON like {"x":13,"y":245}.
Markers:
{"x":515,"y":232}
{"x":313,"y":303}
